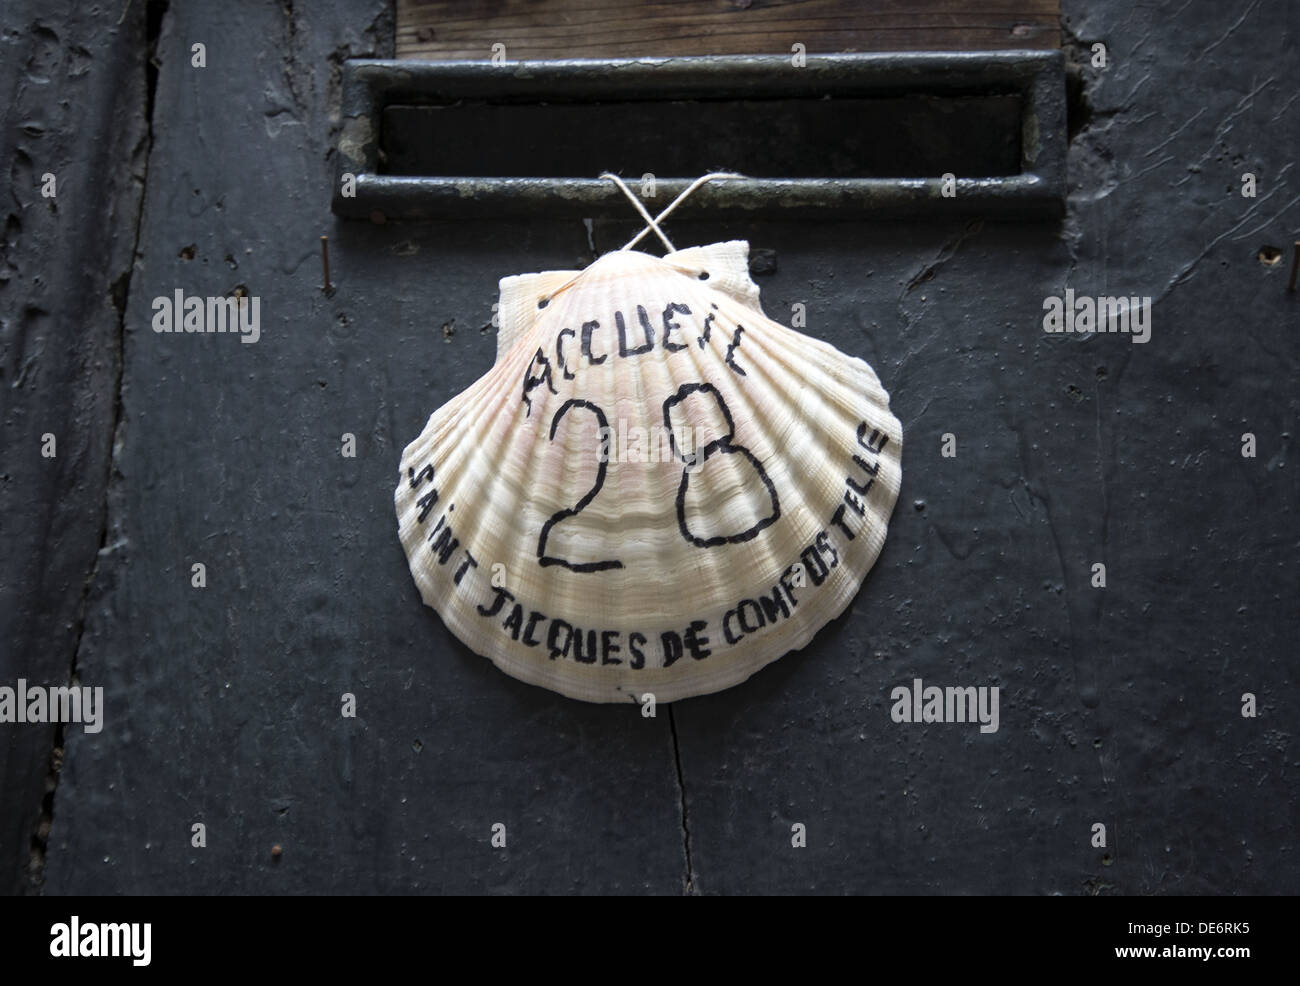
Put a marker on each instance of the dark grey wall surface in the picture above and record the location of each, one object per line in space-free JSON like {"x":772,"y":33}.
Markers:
{"x":1119,"y":705}
{"x":76,"y":91}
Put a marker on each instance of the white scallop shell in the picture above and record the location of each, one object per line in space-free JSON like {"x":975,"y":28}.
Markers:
{"x":653,"y":571}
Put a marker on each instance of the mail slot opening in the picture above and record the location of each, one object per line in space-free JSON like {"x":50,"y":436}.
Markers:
{"x":845,"y":135}
{"x":905,"y":136}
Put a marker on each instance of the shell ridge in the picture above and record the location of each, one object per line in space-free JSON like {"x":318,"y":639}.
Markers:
{"x":729,"y":465}
{"x":438,"y":448}
{"x":719,"y":562}
{"x":707,"y":567}
{"x":516,"y":304}
{"x":773,"y":370}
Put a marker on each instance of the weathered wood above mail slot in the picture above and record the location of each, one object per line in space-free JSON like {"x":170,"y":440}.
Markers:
{"x":550,"y":29}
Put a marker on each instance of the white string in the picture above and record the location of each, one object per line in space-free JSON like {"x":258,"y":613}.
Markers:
{"x":690,"y":189}
{"x":651,"y":223}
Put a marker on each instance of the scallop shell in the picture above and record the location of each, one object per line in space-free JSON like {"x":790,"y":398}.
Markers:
{"x":656,"y":488}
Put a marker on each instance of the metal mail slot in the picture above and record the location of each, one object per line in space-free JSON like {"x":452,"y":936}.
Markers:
{"x":841,"y":136}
